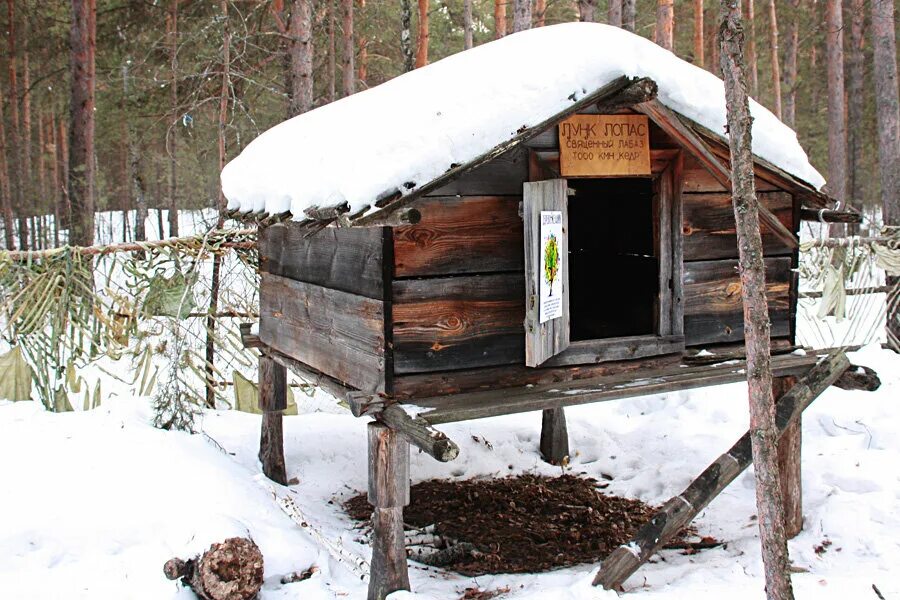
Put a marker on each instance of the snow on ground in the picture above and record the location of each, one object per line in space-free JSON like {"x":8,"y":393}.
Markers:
{"x":93,"y":503}
{"x":408,"y":131}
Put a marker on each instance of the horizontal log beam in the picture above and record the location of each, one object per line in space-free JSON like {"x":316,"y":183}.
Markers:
{"x":830,"y":216}
{"x":419,"y":433}
{"x":683,"y":508}
{"x":310,"y":375}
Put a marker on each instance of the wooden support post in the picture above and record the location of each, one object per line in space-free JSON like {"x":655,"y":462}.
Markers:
{"x":789,"y":464}
{"x":681,"y":509}
{"x":272,"y":400}
{"x":388,"y":494}
{"x":554,"y":436}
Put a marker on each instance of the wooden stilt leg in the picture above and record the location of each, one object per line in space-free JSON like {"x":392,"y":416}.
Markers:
{"x":272,"y":400}
{"x":554,"y":436}
{"x":789,"y":465}
{"x":388,"y":493}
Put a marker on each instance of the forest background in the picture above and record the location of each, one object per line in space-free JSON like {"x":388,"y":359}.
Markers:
{"x":136,"y":105}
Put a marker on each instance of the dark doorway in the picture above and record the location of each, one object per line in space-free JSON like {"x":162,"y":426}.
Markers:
{"x":614,"y":270}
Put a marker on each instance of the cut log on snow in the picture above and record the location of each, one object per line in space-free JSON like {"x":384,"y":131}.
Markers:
{"x":231,"y":570}
{"x":681,"y":510}
{"x":859,"y":378}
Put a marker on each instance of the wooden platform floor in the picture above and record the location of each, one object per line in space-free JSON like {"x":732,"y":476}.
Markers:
{"x":478,"y":405}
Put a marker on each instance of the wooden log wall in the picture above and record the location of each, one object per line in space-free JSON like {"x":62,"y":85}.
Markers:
{"x":712,"y":291}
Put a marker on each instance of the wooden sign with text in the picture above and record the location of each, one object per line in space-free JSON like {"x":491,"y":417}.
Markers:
{"x":604,"y":146}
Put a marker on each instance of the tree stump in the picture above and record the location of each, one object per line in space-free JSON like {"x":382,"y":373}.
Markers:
{"x":388,"y":494}
{"x":554,"y":436}
{"x":231,"y":570}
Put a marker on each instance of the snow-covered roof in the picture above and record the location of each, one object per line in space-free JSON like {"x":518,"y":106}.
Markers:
{"x":408,"y":131}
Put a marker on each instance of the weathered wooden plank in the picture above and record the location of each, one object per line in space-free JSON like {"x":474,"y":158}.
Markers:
{"x":458,"y":322}
{"x":272,"y":400}
{"x":342,"y":258}
{"x":713,"y":312}
{"x":624,"y":348}
{"x":709,"y":230}
{"x":502,"y":176}
{"x":466,"y":234}
{"x":698,"y":179}
{"x":789,"y":464}
{"x":544,"y":340}
{"x":424,"y":385}
{"x":681,"y":509}
{"x":478,"y":405}
{"x":339,"y":334}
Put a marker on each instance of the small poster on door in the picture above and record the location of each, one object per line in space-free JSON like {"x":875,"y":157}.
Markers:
{"x":551,"y":274}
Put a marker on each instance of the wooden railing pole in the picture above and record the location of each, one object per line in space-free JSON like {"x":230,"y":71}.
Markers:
{"x":272,"y":401}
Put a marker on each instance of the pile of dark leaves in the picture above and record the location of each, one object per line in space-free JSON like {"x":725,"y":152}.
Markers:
{"x":525,"y":524}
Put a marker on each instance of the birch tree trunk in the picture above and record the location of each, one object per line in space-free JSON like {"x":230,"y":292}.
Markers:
{"x":789,"y":108}
{"x":698,"y":33}
{"x":499,"y":18}
{"x":855,"y":102}
{"x":467,"y":24}
{"x":665,"y":24}
{"x":300,"y":49}
{"x":763,"y":430}
{"x":629,"y":13}
{"x":349,"y":70}
{"x":587,"y":10}
{"x":81,"y":123}
{"x":406,"y":35}
{"x":773,"y":50}
{"x":614,"y":13}
{"x":887,"y":107}
{"x":422,"y":35}
{"x":837,"y":110}
{"x":522,"y":15}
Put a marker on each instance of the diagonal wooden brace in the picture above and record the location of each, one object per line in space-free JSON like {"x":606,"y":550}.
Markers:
{"x":683,"y":508}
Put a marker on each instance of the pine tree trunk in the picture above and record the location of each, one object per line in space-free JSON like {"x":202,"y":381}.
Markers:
{"x":521,"y":15}
{"x":14,"y":156}
{"x":30,"y":207}
{"x":763,"y":430}
{"x":789,"y":107}
{"x":5,"y":188}
{"x":349,"y":48}
{"x":65,"y":207}
{"x":773,"y":49}
{"x":332,"y":53}
{"x":55,"y":197}
{"x":409,"y":62}
{"x":135,"y":179}
{"x":172,"y":136}
{"x":614,"y":13}
{"x":300,"y":50}
{"x":422,"y":35}
{"x":468,"y":26}
{"x":887,"y":107}
{"x":629,"y":13}
{"x":363,"y":72}
{"x":837,"y":110}
{"x":665,"y":24}
{"x":81,"y":146}
{"x":714,"y":63}
{"x":499,"y":18}
{"x":750,"y":18}
{"x":540,"y":12}
{"x":856,"y":142}
{"x":587,"y":10}
{"x":698,"y":33}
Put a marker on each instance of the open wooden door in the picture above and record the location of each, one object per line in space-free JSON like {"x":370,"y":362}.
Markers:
{"x":546,"y":221}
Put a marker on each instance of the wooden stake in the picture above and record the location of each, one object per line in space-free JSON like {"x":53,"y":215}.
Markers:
{"x":272,"y":400}
{"x":683,"y":508}
{"x":789,"y":464}
{"x":388,"y":493}
{"x":554,"y":436}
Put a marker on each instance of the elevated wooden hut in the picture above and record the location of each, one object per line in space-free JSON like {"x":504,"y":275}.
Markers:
{"x":584,"y":255}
